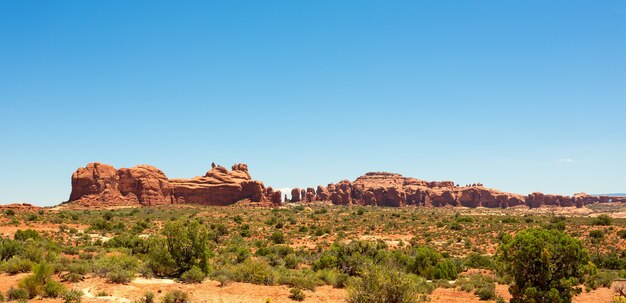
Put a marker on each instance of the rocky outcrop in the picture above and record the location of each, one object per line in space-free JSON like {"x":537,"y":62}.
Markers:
{"x":100,"y":184}
{"x":295,"y":195}
{"x":389,"y":189}
{"x":146,"y":185}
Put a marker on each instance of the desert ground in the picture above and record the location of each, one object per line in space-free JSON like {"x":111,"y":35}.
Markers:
{"x":287,"y":245}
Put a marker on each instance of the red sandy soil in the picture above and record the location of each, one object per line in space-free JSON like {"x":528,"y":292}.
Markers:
{"x":450,"y":295}
{"x":9,"y":230}
{"x":209,"y":291}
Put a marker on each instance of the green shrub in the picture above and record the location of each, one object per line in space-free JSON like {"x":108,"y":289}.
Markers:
{"x":487,"y":292}
{"x":558,"y":260}
{"x":194,"y":275}
{"x":187,"y":243}
{"x":600,"y":279}
{"x":34,"y":283}
{"x":116,"y":268}
{"x":296,"y":294}
{"x":596,"y":234}
{"x":23,"y":235}
{"x":9,"y":248}
{"x":455,"y":226}
{"x":159,"y":261}
{"x":304,"y":279}
{"x":291,"y":261}
{"x":175,"y":296}
{"x":255,"y":272}
{"x":333,"y":277}
{"x":223,"y":279}
{"x":445,"y":269}
{"x":121,"y":276}
{"x":476,"y":283}
{"x":277,"y":237}
{"x":73,"y":296}
{"x":602,"y":220}
{"x":148,"y":297}
{"x":475,"y":260}
{"x":381,"y":284}
{"x":422,"y":261}
{"x":17,"y":294}
{"x":53,"y":289}
{"x":17,"y":265}
{"x":31,"y":285}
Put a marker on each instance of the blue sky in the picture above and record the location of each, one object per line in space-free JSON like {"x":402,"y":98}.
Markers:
{"x":522,"y":96}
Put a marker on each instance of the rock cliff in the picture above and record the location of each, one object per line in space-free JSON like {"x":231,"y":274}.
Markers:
{"x":389,"y":189}
{"x":102,"y":184}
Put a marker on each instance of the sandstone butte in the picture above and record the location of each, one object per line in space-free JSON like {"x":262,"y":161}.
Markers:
{"x":102,"y":185}
{"x":395,"y":190}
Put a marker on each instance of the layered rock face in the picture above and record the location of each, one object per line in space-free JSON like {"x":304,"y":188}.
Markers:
{"x":388,"y":189}
{"x":146,"y":185}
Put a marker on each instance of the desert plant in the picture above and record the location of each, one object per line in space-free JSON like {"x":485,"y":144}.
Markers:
{"x":73,"y":296}
{"x":487,"y":291}
{"x":596,"y":234}
{"x":475,"y":260}
{"x":53,"y":289}
{"x":194,"y":275}
{"x":34,"y":283}
{"x":381,"y":284}
{"x":223,"y":279}
{"x":17,"y":265}
{"x":188,"y":244}
{"x":175,"y":296}
{"x":116,"y":268}
{"x":23,"y":235}
{"x":600,"y":279}
{"x":602,"y":220}
{"x":557,"y":260}
{"x":17,"y":294}
{"x":277,"y":237}
{"x":148,"y":297}
{"x":255,"y":272}
{"x":296,"y":294}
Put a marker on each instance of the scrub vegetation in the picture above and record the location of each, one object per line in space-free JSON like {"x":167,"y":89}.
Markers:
{"x":376,"y":254}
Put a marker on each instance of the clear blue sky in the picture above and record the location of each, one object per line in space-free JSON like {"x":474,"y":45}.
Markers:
{"x":519,"y":95}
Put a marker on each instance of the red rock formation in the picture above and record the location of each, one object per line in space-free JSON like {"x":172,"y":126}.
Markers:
{"x":275,"y":196}
{"x":103,"y":185}
{"x":146,"y":185}
{"x":389,"y":189}
{"x":95,"y":178}
{"x":322,"y":193}
{"x":295,"y":195}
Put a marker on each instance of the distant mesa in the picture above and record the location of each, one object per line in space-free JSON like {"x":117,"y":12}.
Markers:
{"x":389,"y":189}
{"x":100,"y":184}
